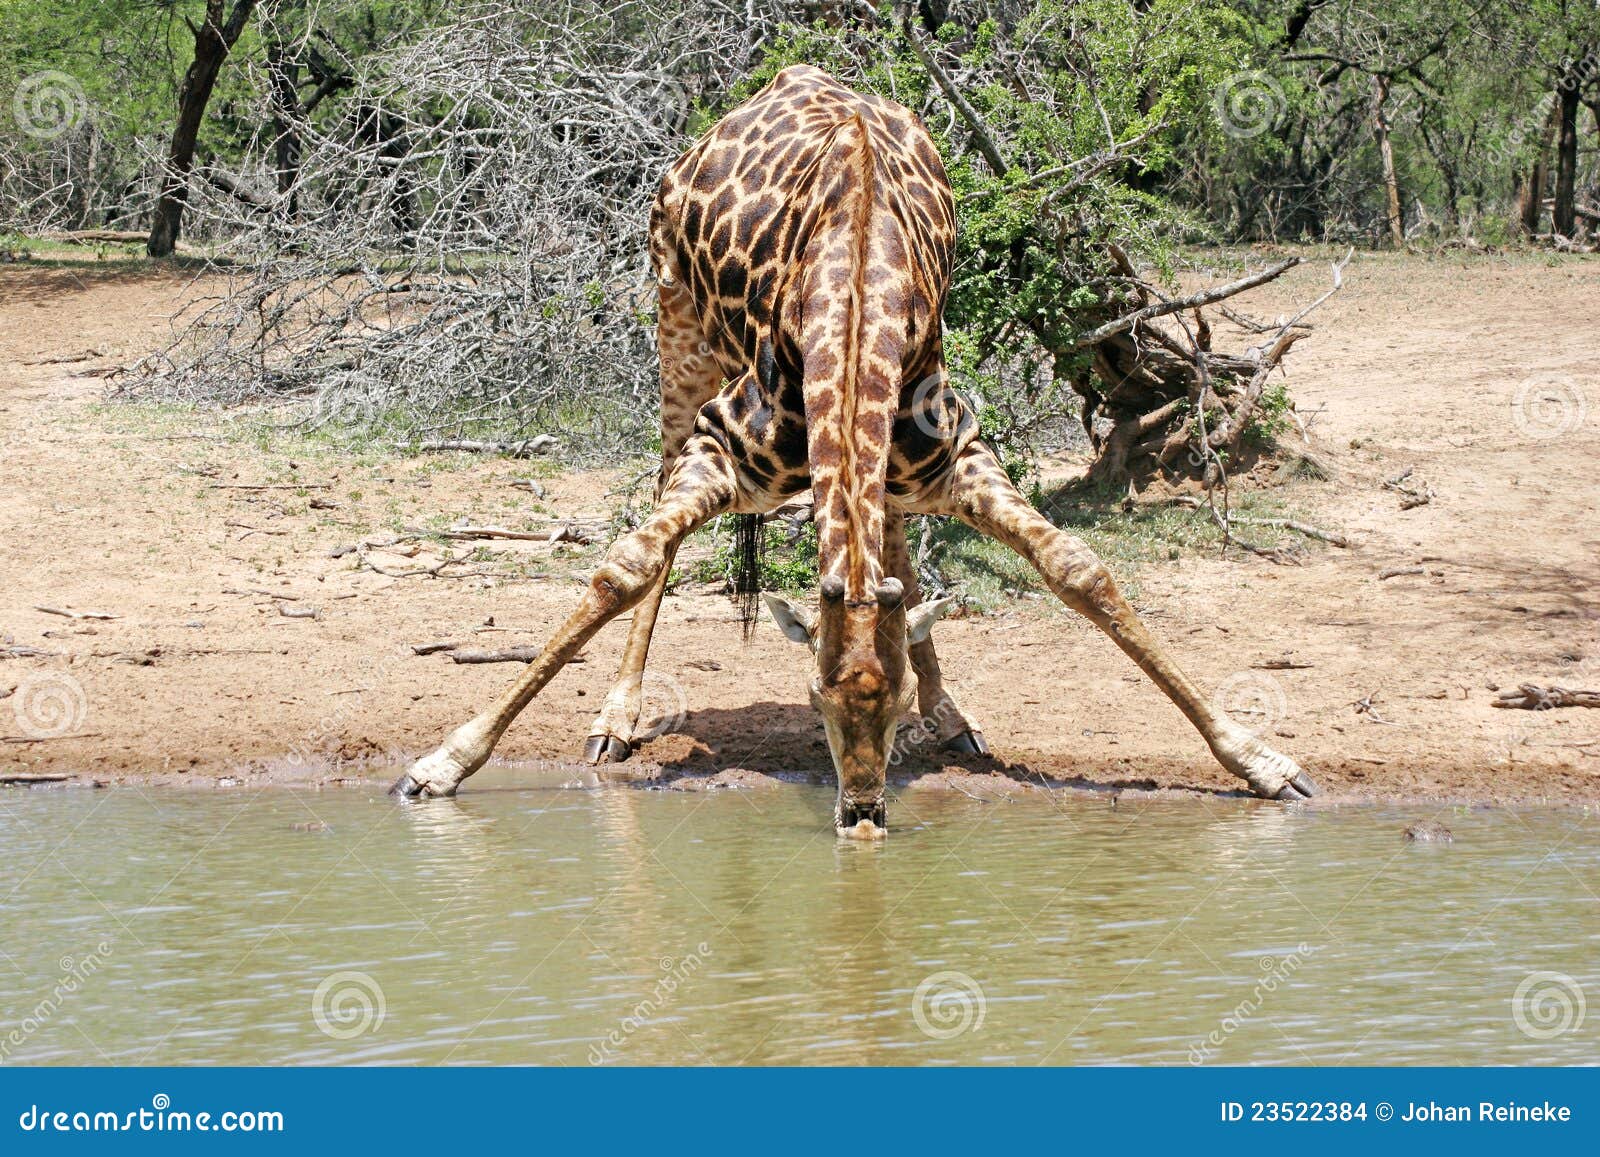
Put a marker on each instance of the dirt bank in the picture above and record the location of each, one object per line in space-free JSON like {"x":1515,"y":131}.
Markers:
{"x":201,"y":677}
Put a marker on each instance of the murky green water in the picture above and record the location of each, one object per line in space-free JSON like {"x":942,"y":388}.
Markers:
{"x":638,"y":927}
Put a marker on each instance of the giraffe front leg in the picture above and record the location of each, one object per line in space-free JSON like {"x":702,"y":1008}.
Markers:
{"x":953,"y":727}
{"x":982,"y":495}
{"x":702,"y":485}
{"x":689,"y":378}
{"x":612,"y":736}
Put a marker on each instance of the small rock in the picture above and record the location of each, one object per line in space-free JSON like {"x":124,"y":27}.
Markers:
{"x":1429,"y":832}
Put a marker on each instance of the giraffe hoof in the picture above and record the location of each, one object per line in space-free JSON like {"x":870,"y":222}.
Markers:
{"x":1298,"y":788}
{"x":406,"y":787}
{"x":967,"y":743}
{"x":605,"y":749}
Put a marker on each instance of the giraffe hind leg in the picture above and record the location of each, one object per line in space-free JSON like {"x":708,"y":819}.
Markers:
{"x":981,"y":495}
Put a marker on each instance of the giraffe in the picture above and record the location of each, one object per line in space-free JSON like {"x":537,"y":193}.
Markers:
{"x":802,"y":251}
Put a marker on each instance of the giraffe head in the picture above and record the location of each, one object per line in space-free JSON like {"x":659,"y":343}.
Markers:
{"x":862,"y":685}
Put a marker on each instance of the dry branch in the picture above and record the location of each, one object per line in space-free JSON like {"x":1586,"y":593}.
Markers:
{"x":1533,"y":697}
{"x":570,"y":531}
{"x":508,"y":655}
{"x":96,"y":237}
{"x":1306,"y":529}
{"x":1193,"y":301}
{"x":524,"y":449}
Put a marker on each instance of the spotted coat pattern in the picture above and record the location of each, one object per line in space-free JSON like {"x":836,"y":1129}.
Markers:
{"x":804,"y":249}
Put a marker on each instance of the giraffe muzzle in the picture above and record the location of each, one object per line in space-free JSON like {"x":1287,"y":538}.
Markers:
{"x":862,"y":821}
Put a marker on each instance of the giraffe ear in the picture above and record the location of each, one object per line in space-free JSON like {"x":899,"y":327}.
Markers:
{"x":794,"y":620}
{"x":920,"y":618}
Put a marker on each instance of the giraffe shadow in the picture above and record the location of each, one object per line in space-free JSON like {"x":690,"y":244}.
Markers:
{"x":785,"y":742}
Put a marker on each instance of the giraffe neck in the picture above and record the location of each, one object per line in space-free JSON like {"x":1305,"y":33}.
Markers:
{"x":854,"y":332}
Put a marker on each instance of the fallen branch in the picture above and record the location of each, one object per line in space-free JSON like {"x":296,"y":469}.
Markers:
{"x":1532,"y":697}
{"x":566,"y":532}
{"x":48,"y":738}
{"x":98,"y":237}
{"x":68,"y":359}
{"x":249,"y":530}
{"x":1306,"y":529}
{"x":508,"y":655}
{"x":1413,"y":497}
{"x":1397,"y":571}
{"x":268,"y":486}
{"x":66,"y":614}
{"x":524,"y":449}
{"x":432,"y":648}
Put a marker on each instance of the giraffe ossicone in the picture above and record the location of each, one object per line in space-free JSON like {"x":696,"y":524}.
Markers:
{"x":802,"y":251}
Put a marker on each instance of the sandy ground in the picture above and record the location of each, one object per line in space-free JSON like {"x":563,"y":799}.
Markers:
{"x":199,"y":678}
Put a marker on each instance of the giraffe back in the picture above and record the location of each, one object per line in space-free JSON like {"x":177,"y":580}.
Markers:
{"x":814,"y":229}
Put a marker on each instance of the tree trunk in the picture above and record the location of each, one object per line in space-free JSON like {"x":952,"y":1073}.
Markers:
{"x":1391,"y":184}
{"x":1564,"y":216}
{"x":1530,"y":198}
{"x":213,"y":40}
{"x":283,"y":75}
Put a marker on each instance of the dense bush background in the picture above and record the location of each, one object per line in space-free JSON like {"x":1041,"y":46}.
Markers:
{"x":433,"y":210}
